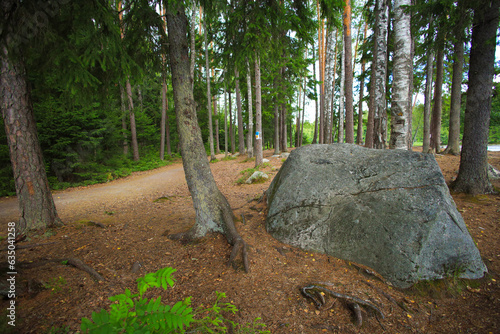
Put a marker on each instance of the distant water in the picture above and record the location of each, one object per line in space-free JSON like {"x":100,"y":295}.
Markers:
{"x":494,"y":148}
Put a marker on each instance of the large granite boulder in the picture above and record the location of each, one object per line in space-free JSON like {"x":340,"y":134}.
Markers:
{"x":387,"y":209}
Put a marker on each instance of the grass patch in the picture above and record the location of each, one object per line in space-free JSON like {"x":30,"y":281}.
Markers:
{"x":246,"y":173}
{"x":247,"y":160}
{"x":162,"y":199}
{"x":451,"y":287}
{"x":228,"y":158}
{"x":214,"y":161}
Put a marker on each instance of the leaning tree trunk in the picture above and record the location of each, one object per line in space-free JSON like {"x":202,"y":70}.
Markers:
{"x":241,"y":136}
{"x":213,"y":213}
{"x":473,"y":172}
{"x":36,"y":205}
{"x":401,"y":98}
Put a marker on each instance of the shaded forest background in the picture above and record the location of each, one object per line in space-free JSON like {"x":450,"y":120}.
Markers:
{"x":79,"y":108}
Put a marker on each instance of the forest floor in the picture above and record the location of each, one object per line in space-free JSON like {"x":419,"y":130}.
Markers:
{"x":138,"y":212}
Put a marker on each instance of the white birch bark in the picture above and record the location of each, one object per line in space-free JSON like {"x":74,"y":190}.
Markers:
{"x":329,"y":83}
{"x":258,"y":114}
{"x":400,"y":110}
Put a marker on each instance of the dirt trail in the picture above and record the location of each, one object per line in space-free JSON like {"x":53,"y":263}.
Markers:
{"x":117,"y":195}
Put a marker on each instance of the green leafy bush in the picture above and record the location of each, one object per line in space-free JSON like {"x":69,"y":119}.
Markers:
{"x":132,"y":313}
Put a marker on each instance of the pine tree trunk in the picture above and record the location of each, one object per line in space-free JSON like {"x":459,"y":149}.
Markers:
{"x":456,"y":99}
{"x":163,"y":116}
{"x":276,"y":119}
{"x":124,"y":121}
{"x":213,"y":213}
{"x":377,"y":118}
{"x":250,"y":114}
{"x":216,"y":115}
{"x":349,"y":108}
{"x":473,"y":172}
{"x":435,"y":143}
{"x":359,"y":139}
{"x":36,"y":205}
{"x":241,"y":136}
{"x":315,"y":136}
{"x":225,"y":123}
{"x":133,"y":129}
{"x":258,"y":114}
{"x":209,"y":94}
{"x":193,"y":42}
{"x":303,"y":114}
{"x":426,"y":147}
{"x":401,"y":99}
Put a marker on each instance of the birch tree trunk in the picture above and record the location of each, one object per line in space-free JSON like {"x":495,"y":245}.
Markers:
{"x":213,"y":212}
{"x":216,"y":115}
{"x":348,"y":74}
{"x":231,"y":124}
{"x":341,"y":104}
{"x":250,"y":114}
{"x":315,"y":136}
{"x":36,"y":205}
{"x":241,"y":136}
{"x":225,"y":122}
{"x":329,"y":79}
{"x":258,"y":114}
{"x":401,"y":99}
{"x":209,"y":93}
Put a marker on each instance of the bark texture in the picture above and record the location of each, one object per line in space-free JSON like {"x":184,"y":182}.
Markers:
{"x":133,"y":129}
{"x":401,"y":98}
{"x":473,"y":172}
{"x":258,"y":113}
{"x":209,"y":94}
{"x":427,"y":103}
{"x":213,"y":213}
{"x":437,"y":107}
{"x":250,"y":114}
{"x":241,"y":136}
{"x":36,"y":205}
{"x":348,"y":93}
{"x":377,"y":117}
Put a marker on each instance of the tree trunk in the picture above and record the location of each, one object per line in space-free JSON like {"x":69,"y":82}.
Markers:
{"x":473,"y":172}
{"x":163,"y":116}
{"x":315,"y":136}
{"x":209,"y":93}
{"x":133,"y":129}
{"x":250,"y":114}
{"x":349,"y":108}
{"x":216,"y":115}
{"x":303,"y":114}
{"x":329,"y":85}
{"x":231,"y":124}
{"x":193,"y":42}
{"x":258,"y":113}
{"x":241,"y":136}
{"x":401,"y":99}
{"x":342,"y":96}
{"x":359,"y":139}
{"x":283,"y":117}
{"x":213,"y":213}
{"x":453,"y":146}
{"x":426,"y":148}
{"x":377,"y":116}
{"x":435,"y":143}
{"x":124,"y":120}
{"x":36,"y":205}
{"x":225,"y":122}
{"x":276,"y":119}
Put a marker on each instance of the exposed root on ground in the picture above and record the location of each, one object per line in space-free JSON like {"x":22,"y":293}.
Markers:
{"x":315,"y":292}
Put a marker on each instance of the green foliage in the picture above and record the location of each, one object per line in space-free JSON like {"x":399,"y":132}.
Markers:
{"x":132,"y":313}
{"x":55,"y":284}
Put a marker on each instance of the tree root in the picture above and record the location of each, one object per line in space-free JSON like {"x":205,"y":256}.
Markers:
{"x":352,"y":302}
{"x":77,"y":263}
{"x":31,"y":246}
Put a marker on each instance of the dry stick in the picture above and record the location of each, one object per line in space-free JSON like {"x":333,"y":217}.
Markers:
{"x":345,"y":297}
{"x":82,"y":266}
{"x":33,"y":245}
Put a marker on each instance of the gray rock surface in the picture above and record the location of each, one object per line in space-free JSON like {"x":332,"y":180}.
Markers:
{"x":390,"y":210}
